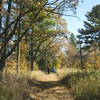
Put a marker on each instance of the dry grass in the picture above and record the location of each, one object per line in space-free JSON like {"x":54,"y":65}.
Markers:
{"x":61,"y":73}
{"x":85,"y":85}
{"x":14,"y":87}
{"x":41,"y":76}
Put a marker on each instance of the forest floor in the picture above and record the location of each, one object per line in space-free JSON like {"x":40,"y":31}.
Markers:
{"x":48,"y":87}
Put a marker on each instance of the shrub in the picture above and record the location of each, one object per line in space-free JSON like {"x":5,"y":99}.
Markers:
{"x":84,"y":84}
{"x":87,"y":89}
{"x":14,"y":88}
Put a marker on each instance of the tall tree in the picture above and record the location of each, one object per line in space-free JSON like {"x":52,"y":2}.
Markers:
{"x":90,"y":36}
{"x":11,"y":20}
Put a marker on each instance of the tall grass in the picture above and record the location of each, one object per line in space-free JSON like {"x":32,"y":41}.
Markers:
{"x":85,"y":85}
{"x":14,"y":88}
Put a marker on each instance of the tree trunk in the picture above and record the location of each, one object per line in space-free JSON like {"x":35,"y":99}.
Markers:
{"x":81,"y":57}
{"x":32,"y":65}
{"x":95,"y":55}
{"x":0,"y":15}
{"x":3,"y":39}
{"x":18,"y":58}
{"x":32,"y":58}
{"x":2,"y":66}
{"x":18,"y":48}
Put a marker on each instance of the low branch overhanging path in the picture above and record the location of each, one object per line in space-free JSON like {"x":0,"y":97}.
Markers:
{"x":49,"y":88}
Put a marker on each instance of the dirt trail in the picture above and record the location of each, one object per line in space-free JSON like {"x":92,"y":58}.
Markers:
{"x":49,"y":88}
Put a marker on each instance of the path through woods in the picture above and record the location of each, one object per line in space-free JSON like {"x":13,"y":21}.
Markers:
{"x":49,"y":88}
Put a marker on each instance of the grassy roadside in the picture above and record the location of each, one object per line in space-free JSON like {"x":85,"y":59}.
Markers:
{"x":17,"y":87}
{"x":85,"y":85}
{"x":14,"y":87}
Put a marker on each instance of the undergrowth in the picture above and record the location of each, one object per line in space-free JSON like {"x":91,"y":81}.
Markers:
{"x":85,"y":85}
{"x":14,"y":88}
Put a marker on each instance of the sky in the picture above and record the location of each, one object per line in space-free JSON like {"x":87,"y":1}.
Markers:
{"x":74,"y":23}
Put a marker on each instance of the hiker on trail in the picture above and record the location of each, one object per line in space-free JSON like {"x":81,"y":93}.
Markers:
{"x":53,"y":70}
{"x":48,"y":70}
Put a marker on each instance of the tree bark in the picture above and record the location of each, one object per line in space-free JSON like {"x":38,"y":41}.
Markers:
{"x":18,"y":58}
{"x":81,"y":57}
{"x":32,"y":65}
{"x":18,"y":48}
{"x":2,"y":66}
{"x":32,"y":58}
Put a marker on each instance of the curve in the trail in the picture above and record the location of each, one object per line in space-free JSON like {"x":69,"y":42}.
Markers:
{"x":49,"y":88}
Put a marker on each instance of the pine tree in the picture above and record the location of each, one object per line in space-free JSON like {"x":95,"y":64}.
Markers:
{"x":90,"y":35}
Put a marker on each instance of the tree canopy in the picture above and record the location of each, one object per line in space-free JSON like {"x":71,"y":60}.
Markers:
{"x":34,"y":18}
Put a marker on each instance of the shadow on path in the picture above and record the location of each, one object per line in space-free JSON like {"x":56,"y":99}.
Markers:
{"x":43,"y":85}
{"x":49,"y":90}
